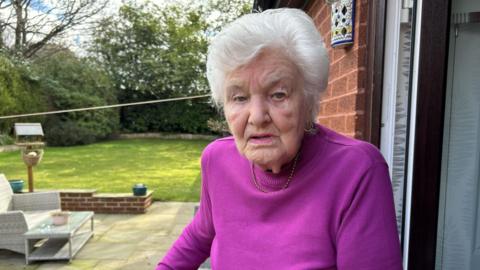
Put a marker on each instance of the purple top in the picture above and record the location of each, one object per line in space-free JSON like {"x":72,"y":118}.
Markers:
{"x":337,"y":212}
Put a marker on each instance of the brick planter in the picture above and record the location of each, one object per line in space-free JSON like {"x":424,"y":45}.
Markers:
{"x":111,"y":203}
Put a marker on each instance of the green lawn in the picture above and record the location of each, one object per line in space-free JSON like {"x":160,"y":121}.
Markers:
{"x":170,"y":167}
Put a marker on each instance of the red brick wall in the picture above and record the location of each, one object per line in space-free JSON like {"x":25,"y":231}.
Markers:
{"x":103,"y":203}
{"x":342,"y":107}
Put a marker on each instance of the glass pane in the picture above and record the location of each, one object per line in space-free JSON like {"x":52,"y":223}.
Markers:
{"x":401,"y":117}
{"x":458,"y":243}
{"x":397,"y":88}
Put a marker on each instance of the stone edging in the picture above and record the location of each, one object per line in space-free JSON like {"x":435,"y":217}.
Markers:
{"x":164,"y":136}
{"x":9,"y":148}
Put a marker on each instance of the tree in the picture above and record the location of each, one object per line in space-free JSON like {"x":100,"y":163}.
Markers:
{"x":154,"y":52}
{"x":221,"y":12}
{"x":70,"y":82}
{"x":34,"y":23}
{"x":20,"y":91}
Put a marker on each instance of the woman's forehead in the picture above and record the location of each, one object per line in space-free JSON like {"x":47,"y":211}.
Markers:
{"x":263,"y":72}
{"x":262,"y":77}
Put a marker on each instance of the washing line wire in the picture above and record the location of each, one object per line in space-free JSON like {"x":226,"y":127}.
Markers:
{"x":104,"y":107}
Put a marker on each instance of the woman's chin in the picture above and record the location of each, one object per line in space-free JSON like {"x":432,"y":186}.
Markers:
{"x":267,"y":159}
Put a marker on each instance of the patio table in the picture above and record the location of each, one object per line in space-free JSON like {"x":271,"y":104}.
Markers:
{"x":59,"y":242}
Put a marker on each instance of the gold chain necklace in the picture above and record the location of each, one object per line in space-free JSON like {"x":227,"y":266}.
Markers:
{"x":289,"y":179}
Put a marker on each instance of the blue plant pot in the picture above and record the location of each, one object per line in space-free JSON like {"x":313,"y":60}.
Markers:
{"x":17,"y":185}
{"x":139,"y":190}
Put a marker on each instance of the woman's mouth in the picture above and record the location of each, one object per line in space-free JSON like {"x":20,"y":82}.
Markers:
{"x":261,"y":139}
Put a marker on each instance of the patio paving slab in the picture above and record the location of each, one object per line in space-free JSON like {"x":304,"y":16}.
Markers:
{"x":112,"y":265}
{"x":120,"y":241}
{"x":105,"y":250}
{"x":74,"y":265}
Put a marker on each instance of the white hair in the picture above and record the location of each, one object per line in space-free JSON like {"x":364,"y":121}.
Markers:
{"x":290,"y":30}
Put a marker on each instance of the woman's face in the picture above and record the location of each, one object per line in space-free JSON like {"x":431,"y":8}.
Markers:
{"x":265,"y":111}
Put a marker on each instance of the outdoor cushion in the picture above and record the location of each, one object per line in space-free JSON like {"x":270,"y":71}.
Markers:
{"x":35,"y":218}
{"x":6,"y":194}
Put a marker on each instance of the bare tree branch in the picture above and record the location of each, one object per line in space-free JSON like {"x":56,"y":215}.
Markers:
{"x":35,"y":23}
{"x":7,"y":3}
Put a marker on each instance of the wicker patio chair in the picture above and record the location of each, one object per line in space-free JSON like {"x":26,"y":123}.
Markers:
{"x":21,"y":212}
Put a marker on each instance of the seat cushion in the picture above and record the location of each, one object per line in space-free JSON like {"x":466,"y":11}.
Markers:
{"x":35,"y":218}
{"x":6,"y":194}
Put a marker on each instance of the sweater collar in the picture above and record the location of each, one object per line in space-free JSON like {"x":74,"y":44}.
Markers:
{"x":276,"y":181}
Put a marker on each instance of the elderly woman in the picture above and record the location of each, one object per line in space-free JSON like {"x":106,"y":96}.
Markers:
{"x":283,"y":192}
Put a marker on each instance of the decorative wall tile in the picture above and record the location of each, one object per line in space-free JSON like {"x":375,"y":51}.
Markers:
{"x":343,"y":22}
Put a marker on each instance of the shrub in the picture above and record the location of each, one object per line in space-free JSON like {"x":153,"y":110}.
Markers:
{"x":70,"y":82}
{"x":218,"y":126}
{"x":6,"y":140}
{"x":60,"y":133}
{"x":179,"y":116}
{"x":19,"y":92}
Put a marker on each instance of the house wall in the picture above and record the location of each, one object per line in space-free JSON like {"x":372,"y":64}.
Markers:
{"x":342,"y":106}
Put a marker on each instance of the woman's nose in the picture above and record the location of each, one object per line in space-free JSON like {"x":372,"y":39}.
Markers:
{"x":259,"y":112}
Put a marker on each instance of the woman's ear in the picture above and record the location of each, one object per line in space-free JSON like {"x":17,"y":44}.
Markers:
{"x":309,"y":120}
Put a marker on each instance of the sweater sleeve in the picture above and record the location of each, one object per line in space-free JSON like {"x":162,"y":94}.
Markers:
{"x":192,"y":248}
{"x":367,"y":237}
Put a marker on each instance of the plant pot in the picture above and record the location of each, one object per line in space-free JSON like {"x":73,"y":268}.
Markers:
{"x":60,"y":218}
{"x":17,"y":185}
{"x":139,"y":190}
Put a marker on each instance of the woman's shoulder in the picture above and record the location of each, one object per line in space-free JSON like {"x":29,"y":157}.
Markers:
{"x":221,"y":148}
{"x":220,"y":144}
{"x":346,"y":147}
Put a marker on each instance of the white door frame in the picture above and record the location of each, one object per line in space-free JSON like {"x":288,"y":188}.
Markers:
{"x":392,"y":37}
{"x":411,"y":146}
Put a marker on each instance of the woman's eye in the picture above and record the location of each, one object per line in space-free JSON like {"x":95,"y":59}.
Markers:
{"x":279,"y":95}
{"x":238,"y":98}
